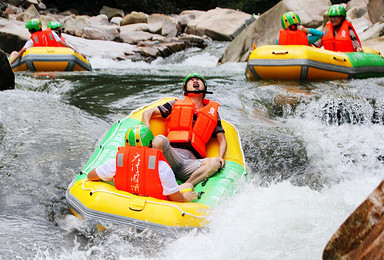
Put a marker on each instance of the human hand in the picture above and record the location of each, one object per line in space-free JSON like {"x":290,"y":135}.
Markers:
{"x":222,"y":162}
{"x":302,"y":28}
{"x":189,"y":194}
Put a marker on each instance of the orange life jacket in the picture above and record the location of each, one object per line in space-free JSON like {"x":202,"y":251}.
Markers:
{"x":44,"y":38}
{"x":342,"y":41}
{"x":181,"y":128}
{"x":289,"y":37}
{"x":137,"y":171}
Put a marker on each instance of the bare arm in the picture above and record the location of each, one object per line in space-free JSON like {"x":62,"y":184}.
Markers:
{"x":18,"y":55}
{"x":186,"y":193}
{"x":302,"y":28}
{"x":148,"y":114}
{"x":92,"y":175}
{"x":222,"y":147}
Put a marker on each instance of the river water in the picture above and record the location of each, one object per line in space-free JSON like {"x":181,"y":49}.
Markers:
{"x":314,"y":152}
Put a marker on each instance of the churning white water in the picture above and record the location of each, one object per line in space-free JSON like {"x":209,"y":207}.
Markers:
{"x":310,"y":163}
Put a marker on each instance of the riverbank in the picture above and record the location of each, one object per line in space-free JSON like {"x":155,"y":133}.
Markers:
{"x":135,"y":36}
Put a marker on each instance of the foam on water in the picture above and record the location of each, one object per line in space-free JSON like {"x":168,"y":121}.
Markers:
{"x":278,"y":220}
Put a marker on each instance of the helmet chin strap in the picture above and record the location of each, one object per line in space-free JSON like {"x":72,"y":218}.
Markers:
{"x":198,"y":91}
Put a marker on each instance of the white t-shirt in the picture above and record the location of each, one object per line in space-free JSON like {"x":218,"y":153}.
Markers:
{"x":107,"y":171}
{"x":29,"y":43}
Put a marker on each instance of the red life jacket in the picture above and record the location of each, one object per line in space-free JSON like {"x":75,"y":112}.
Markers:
{"x":44,"y":38}
{"x":181,"y":128}
{"x":289,"y":37}
{"x":137,"y":171}
{"x":342,"y":41}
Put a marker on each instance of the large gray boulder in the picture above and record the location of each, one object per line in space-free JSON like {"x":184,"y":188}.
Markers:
{"x":96,"y":27}
{"x":219,"y":24}
{"x":133,"y":37}
{"x":29,"y":13}
{"x":111,"y":12}
{"x":75,"y":24}
{"x":134,"y":17}
{"x":376,"y":10}
{"x":361,"y":236}
{"x":7,"y":78}
{"x":169,"y":25}
{"x":357,"y":9}
{"x":374,"y":31}
{"x":13,"y":35}
{"x":375,"y":43}
{"x":98,"y":48}
{"x":265,"y":30}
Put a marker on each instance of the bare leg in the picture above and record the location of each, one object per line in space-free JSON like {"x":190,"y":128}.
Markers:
{"x":158,"y":143}
{"x":208,"y":167}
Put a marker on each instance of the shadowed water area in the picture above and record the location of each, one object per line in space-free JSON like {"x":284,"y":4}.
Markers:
{"x":314,"y":151}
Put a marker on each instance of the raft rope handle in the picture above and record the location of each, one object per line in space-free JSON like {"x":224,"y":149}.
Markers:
{"x":339,"y":59}
{"x":280,"y":52}
{"x":183,"y":213}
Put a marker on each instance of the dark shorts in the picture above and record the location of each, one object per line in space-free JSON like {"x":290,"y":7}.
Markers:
{"x":183,"y":162}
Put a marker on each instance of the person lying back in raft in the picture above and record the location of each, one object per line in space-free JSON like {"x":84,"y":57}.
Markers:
{"x":39,"y":38}
{"x":154,"y":179}
{"x":339,"y":33}
{"x":296,"y":34}
{"x":193,"y":121}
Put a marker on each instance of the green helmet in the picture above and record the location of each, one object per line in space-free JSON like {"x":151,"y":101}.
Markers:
{"x":54,"y":25}
{"x":139,"y":136}
{"x":337,"y":10}
{"x":194,"y":75}
{"x":289,"y":18}
{"x":34,"y":24}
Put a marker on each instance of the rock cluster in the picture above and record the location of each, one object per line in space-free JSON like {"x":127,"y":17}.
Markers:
{"x":136,"y":36}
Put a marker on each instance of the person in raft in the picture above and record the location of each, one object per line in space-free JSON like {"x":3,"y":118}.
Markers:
{"x":57,"y":28}
{"x":39,"y":38}
{"x":296,"y":34}
{"x":339,"y":33}
{"x":142,"y":170}
{"x":192,"y":122}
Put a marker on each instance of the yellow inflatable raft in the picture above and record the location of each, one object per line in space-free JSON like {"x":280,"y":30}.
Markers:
{"x":101,"y":201}
{"x":51,"y":59}
{"x":298,"y":62}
